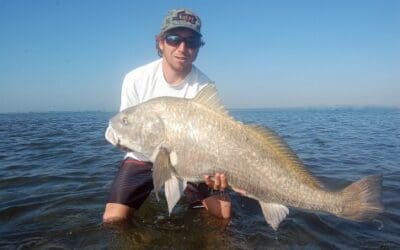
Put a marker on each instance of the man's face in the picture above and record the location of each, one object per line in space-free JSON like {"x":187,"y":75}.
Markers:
{"x":179,"y":56}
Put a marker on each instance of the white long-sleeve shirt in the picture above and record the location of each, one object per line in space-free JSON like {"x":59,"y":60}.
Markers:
{"x":147,"y":82}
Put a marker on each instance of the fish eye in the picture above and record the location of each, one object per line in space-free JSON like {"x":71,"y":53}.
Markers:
{"x":125,"y":120}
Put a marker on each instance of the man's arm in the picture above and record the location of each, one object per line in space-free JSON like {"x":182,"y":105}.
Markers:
{"x":129,"y":96}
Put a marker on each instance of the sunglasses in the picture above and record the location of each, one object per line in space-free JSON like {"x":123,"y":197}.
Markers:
{"x":192,"y":42}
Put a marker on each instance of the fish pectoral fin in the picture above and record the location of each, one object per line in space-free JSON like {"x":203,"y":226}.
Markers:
{"x":274,"y":213}
{"x":173,"y":191}
{"x":173,"y":158}
{"x":161,"y":169}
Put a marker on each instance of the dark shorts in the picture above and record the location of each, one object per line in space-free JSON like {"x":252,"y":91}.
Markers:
{"x":134,"y":183}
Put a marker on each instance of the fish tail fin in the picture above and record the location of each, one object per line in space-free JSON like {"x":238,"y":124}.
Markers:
{"x":362,"y":199}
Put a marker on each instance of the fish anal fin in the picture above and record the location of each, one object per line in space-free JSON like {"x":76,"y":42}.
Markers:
{"x":274,"y":213}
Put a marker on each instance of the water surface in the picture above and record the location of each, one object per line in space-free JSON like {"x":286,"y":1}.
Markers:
{"x":56,"y":169}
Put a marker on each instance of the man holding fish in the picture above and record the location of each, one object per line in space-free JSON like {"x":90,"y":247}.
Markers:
{"x":173,"y":75}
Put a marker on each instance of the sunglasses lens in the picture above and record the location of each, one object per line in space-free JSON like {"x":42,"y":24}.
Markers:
{"x":191,"y":42}
{"x":173,"y":40}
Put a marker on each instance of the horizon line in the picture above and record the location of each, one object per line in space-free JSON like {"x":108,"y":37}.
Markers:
{"x":228,"y":108}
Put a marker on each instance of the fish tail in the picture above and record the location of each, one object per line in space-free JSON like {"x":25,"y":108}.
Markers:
{"x":362,"y":199}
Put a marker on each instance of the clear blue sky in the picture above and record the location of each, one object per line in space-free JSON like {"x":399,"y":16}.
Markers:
{"x":71,"y":55}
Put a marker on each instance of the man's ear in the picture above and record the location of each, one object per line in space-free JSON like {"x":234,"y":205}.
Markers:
{"x":160,"y":44}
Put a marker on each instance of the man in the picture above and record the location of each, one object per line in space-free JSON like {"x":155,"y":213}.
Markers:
{"x":173,"y":75}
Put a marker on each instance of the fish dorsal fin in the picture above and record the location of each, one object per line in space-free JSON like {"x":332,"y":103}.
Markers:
{"x":208,"y":96}
{"x":274,"y":213}
{"x":282,"y":150}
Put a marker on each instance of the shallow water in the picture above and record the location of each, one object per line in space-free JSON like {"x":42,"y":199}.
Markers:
{"x":56,"y":169}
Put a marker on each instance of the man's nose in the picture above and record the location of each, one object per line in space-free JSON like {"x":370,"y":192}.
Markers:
{"x":182,"y":46}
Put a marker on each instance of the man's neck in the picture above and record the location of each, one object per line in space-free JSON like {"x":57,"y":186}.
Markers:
{"x":172,"y":76}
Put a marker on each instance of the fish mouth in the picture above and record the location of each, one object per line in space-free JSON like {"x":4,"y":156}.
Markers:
{"x":123,"y":148}
{"x":112,"y":138}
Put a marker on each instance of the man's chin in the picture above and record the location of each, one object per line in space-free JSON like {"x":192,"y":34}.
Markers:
{"x":183,"y":66}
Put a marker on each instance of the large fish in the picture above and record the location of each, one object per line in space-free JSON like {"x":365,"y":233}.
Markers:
{"x":189,"y":138}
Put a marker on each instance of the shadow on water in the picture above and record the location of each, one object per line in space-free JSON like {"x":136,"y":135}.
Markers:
{"x":56,"y":169}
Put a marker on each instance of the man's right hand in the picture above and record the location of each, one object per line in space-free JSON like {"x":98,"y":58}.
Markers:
{"x":220,"y":182}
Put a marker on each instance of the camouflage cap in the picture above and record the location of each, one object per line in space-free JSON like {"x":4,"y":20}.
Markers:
{"x":181,"y":18}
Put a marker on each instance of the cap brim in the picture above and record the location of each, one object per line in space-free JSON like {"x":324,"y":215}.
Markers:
{"x":181,"y":26}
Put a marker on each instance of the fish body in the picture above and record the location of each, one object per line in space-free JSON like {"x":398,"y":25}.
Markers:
{"x":189,"y":138}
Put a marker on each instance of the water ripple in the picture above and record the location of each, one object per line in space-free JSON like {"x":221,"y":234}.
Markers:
{"x":56,"y":169}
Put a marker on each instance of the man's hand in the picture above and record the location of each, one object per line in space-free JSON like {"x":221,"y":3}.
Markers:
{"x":220,"y":182}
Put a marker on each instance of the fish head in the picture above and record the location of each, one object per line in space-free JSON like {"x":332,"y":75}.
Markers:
{"x":133,"y":129}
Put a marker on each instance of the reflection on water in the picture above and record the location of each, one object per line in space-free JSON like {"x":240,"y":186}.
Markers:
{"x":56,"y":169}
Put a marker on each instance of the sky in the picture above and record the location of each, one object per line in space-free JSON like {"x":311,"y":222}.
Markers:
{"x":72,"y":55}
